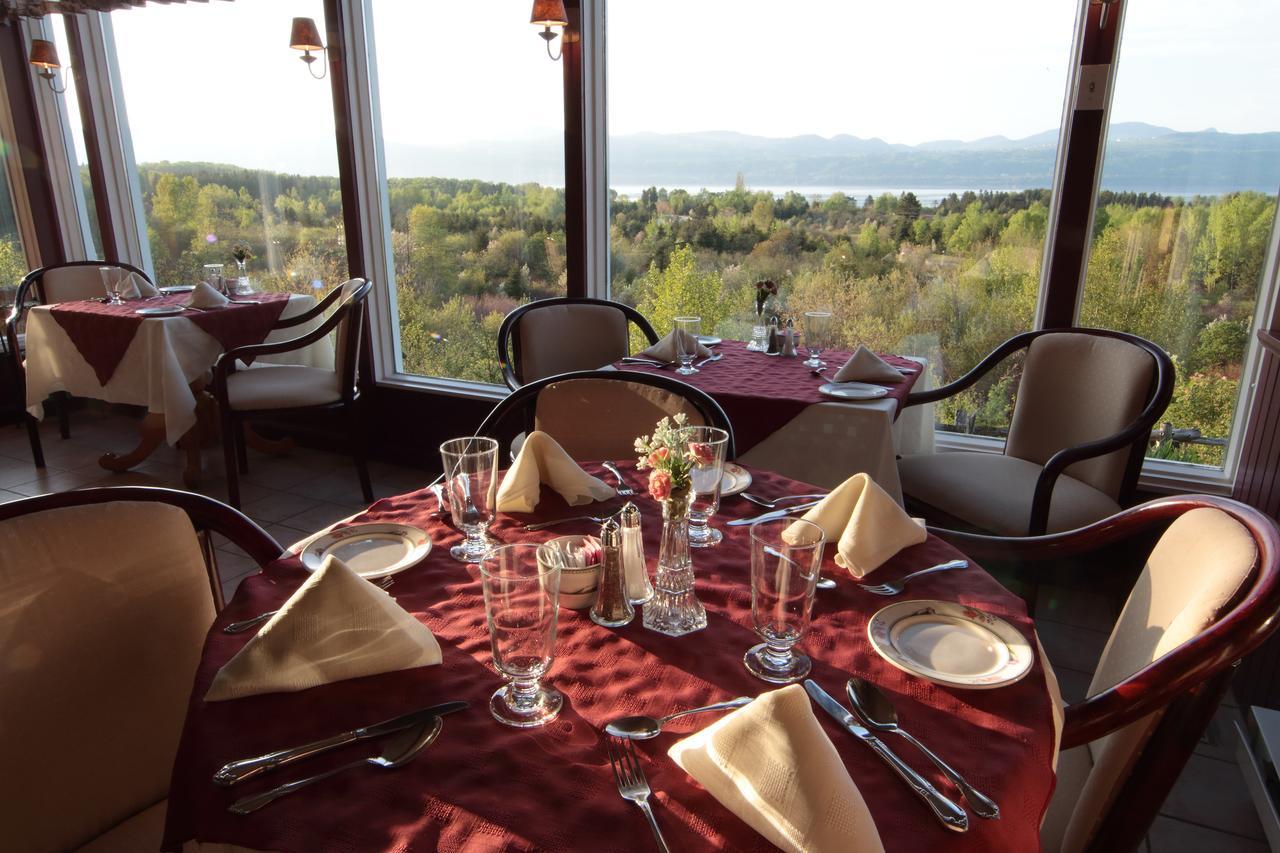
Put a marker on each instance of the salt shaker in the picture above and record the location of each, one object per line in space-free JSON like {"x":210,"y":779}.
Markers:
{"x":611,"y":609}
{"x":634,"y":570}
{"x":775,"y":336}
{"x":789,"y":339}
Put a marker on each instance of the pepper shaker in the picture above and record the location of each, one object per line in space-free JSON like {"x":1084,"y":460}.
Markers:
{"x":789,"y":339}
{"x":635,"y":571}
{"x":612,"y":610}
{"x":774,"y":336}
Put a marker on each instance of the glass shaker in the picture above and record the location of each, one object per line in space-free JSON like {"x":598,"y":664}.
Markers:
{"x":612,"y":610}
{"x":635,"y":570}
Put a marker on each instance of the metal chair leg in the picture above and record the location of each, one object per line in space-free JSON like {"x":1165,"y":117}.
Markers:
{"x":242,"y":451}
{"x":358,"y":425}
{"x":230,"y":428}
{"x":33,"y":435}
{"x":64,"y":418}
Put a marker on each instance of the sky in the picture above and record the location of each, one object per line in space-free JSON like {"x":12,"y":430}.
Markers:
{"x":218,"y":81}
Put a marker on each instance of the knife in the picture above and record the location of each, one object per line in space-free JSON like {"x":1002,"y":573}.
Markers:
{"x":952,"y":816}
{"x":773,"y":516}
{"x":247,"y":768}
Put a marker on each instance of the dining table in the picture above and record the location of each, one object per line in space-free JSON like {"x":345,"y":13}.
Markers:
{"x":483,"y":786}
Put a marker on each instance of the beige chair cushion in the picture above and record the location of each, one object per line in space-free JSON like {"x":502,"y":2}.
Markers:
{"x":103,"y":614}
{"x":560,"y":338}
{"x":1199,"y":565}
{"x":282,"y":387}
{"x":1077,"y":388}
{"x":142,"y":833}
{"x":65,"y":284}
{"x":994,"y":492}
{"x":602,"y":418}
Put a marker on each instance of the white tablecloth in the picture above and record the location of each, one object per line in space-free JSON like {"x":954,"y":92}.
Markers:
{"x":166,"y":355}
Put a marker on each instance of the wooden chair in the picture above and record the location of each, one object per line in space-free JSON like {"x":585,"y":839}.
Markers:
{"x":598,"y":414}
{"x":1206,"y":597}
{"x":1085,"y":406}
{"x":554,"y":336}
{"x":13,"y":392}
{"x":102,"y":632}
{"x":244,"y":393}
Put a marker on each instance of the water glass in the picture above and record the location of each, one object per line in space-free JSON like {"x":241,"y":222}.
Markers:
{"x":686,"y":334}
{"x":817,"y":333}
{"x":706,"y":483}
{"x":112,"y":278}
{"x":786,"y":557}
{"x":521,"y":597}
{"x":213,"y":277}
{"x":471,"y":483}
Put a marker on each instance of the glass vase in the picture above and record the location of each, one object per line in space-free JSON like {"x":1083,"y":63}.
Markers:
{"x":759,"y":334}
{"x":674,"y":609}
{"x":242,"y":286}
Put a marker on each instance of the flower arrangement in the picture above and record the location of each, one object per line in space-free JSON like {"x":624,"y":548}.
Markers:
{"x":241,"y":253}
{"x":764,"y":289}
{"x":669,"y":457}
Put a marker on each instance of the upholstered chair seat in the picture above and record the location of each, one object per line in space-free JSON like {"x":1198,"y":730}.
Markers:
{"x":282,"y":387}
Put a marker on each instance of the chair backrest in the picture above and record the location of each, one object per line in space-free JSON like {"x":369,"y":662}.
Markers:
{"x":69,"y":281}
{"x":553,"y":336}
{"x":349,"y":330}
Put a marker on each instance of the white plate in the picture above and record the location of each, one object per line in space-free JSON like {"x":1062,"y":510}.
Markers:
{"x":948,"y":643}
{"x":161,"y":311}
{"x":736,"y":480}
{"x":710,"y":340}
{"x":178,"y":288}
{"x":369,"y":550}
{"x":853,"y":390}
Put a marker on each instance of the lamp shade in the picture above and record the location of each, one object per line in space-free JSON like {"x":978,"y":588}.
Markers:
{"x":549,"y":13}
{"x":44,"y":54}
{"x":305,"y":36}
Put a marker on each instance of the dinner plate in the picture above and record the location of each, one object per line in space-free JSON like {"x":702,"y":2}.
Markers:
{"x":948,"y":643}
{"x":735,"y":481}
{"x":177,"y":288}
{"x":853,"y":390}
{"x":372,"y":550}
{"x":159,"y":311}
{"x":709,"y":340}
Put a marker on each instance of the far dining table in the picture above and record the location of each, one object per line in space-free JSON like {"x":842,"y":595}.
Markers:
{"x":484,"y":786}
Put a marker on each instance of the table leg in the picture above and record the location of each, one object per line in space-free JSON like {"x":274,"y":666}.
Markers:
{"x":150,"y":436}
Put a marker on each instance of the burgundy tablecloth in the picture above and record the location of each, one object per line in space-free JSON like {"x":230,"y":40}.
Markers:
{"x":761,"y":393}
{"x":102,"y":333}
{"x":486,"y":787}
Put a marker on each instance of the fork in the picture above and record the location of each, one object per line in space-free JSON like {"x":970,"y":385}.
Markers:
{"x":632,"y":784}
{"x":895,"y":587}
{"x":542,"y":525}
{"x":245,"y":625}
{"x":623,"y":489}
{"x":772,"y":503}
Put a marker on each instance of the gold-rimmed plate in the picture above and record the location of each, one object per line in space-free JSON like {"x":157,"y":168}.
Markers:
{"x":735,"y":481}
{"x":951,"y":644}
{"x":371,"y":550}
{"x":853,"y":390}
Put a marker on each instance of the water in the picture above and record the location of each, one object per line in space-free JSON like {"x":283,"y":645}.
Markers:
{"x":928,"y":196}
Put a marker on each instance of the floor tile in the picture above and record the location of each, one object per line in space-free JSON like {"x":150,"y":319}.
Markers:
{"x":1169,"y":835}
{"x":6,"y":496}
{"x":1076,"y":607}
{"x":1212,"y":793}
{"x":1070,"y":647}
{"x":1073,"y":683}
{"x":56,"y":482}
{"x":321,"y":517}
{"x":15,"y":472}
{"x":278,"y":506}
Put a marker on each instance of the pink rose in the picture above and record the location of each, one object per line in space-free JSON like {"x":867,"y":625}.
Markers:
{"x":658,"y":456}
{"x":660,"y":485}
{"x":700,"y":453}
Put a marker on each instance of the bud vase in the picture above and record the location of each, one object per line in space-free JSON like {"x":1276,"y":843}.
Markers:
{"x":674,"y":609}
{"x":243,"y":287}
{"x":759,"y":333}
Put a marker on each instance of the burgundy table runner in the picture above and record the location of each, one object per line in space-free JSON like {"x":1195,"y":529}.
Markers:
{"x":102,"y":333}
{"x":486,"y":787}
{"x":761,"y":393}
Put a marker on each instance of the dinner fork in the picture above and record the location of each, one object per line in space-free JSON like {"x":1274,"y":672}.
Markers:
{"x":542,"y":525}
{"x":623,"y":489}
{"x":772,"y":503}
{"x":246,"y":624}
{"x":632,"y":784}
{"x":895,"y":587}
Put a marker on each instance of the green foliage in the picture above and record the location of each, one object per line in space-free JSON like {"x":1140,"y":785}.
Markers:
{"x":683,"y":290}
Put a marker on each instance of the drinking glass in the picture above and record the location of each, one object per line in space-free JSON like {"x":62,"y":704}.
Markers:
{"x":471,"y":483}
{"x":521,"y":597}
{"x":817,"y":333}
{"x":213,"y":277}
{"x":687,"y":343}
{"x":112,"y":278}
{"x":786,"y":557}
{"x":706,"y":484}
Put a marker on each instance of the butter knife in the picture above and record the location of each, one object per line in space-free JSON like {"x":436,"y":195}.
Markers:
{"x":773,"y":516}
{"x":247,"y":768}
{"x":951,"y":815}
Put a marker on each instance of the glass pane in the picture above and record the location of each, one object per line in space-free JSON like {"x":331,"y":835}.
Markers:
{"x":72,"y":101}
{"x":234,"y":142}
{"x":475,"y":177}
{"x":13,"y":259}
{"x":848,"y":167}
{"x":1188,"y":200}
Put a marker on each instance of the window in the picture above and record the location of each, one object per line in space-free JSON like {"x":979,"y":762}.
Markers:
{"x":13,"y":260}
{"x":1187,"y":206}
{"x":71,"y":100}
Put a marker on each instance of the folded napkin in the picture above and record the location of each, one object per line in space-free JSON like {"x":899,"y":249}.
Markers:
{"x":866,"y":524}
{"x":866,"y":366}
{"x":336,"y":626}
{"x":665,"y":349}
{"x":541,"y":460}
{"x":134,"y":286}
{"x":205,"y":296}
{"x":772,"y":765}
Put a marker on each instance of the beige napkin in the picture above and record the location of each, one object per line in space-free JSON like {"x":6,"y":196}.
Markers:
{"x":772,"y":765}
{"x":866,"y":524}
{"x":866,"y":366}
{"x":665,"y":349}
{"x":541,"y":460}
{"x":134,"y":286}
{"x":205,"y":296}
{"x":336,"y":626}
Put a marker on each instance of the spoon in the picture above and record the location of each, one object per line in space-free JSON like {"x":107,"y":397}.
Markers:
{"x":820,"y":583}
{"x":710,"y":359}
{"x":641,"y":727}
{"x":875,"y":709}
{"x":400,"y":750}
{"x":438,"y":490}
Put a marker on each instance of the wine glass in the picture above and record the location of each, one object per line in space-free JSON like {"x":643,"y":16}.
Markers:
{"x":111,"y":280}
{"x":686,"y":334}
{"x":817,"y":333}
{"x":521,"y":597}
{"x":786,"y":557}
{"x":471,"y":482}
{"x":706,"y":483}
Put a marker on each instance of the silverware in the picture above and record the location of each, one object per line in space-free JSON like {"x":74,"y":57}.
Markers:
{"x":820,"y":583}
{"x":398,"y":752}
{"x":630,"y":359}
{"x":246,"y":624}
{"x":895,"y":587}
{"x":641,"y":727}
{"x":244,"y":301}
{"x":710,"y":359}
{"x":438,"y":490}
{"x":623,"y":489}
{"x":193,"y":308}
{"x":874,"y":708}
{"x":772,"y":503}
{"x":632,"y":784}
{"x":770,"y":516}
{"x":246,"y":768}
{"x":543,"y":525}
{"x":951,"y":815}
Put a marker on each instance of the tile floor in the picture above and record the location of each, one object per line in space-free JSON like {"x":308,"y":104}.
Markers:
{"x":1209,"y":810}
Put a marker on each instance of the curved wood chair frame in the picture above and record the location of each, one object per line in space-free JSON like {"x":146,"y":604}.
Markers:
{"x":1134,"y":436}
{"x":509,"y":355}
{"x":18,"y":375}
{"x":1188,"y":682}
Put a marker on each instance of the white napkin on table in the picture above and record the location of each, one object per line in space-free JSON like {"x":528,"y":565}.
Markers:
{"x":866,"y":524}
{"x":665,"y":349}
{"x":866,"y":366}
{"x":336,"y":626}
{"x":134,"y":286}
{"x":772,"y":765}
{"x":542,"y":460}
{"x":204,"y":296}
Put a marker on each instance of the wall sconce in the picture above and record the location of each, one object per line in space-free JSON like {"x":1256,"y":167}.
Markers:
{"x":44,"y":56}
{"x":548,"y":14}
{"x":306,"y":38}
{"x":1106,"y":8}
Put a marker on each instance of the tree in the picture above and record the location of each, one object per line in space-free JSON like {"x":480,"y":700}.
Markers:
{"x":682,"y":289}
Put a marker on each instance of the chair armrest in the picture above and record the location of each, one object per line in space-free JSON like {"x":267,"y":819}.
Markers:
{"x":311,"y":313}
{"x":226,"y":363}
{"x":979,"y":370}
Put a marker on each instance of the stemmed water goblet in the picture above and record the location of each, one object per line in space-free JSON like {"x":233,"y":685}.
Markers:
{"x":709,"y":445}
{"x":111,"y":280}
{"x":817,"y":333}
{"x":686,"y":334}
{"x":470,"y":481}
{"x":786,"y":557}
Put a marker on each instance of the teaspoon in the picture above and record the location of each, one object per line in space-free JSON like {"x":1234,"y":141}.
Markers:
{"x":641,"y":727}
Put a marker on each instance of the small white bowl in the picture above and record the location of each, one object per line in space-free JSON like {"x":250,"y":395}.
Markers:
{"x":578,"y":586}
